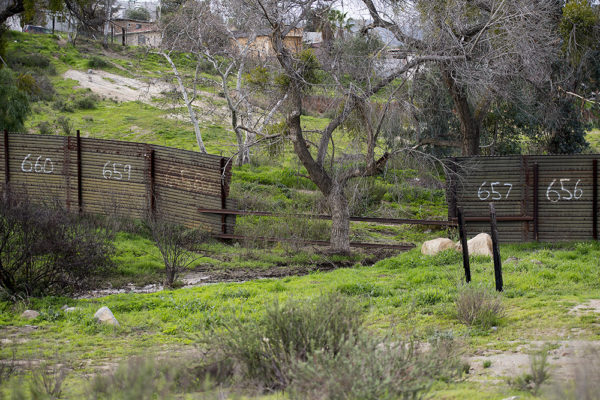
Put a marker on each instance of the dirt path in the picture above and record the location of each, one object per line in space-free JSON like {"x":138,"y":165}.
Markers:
{"x":118,"y":87}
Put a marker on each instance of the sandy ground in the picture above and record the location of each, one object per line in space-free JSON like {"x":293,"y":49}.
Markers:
{"x":564,"y":358}
{"x":117,"y":87}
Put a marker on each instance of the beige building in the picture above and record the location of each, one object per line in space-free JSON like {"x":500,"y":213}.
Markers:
{"x":137,"y":33}
{"x":262,"y":47}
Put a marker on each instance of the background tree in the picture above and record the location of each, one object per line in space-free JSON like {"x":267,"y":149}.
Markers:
{"x":14,"y":103}
{"x":138,"y":13}
{"x":200,"y":29}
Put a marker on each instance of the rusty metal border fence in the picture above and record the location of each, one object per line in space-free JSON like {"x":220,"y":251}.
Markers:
{"x":118,"y":178}
{"x":537,"y":197}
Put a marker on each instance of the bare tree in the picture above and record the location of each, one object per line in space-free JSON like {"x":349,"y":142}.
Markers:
{"x":479,"y":46}
{"x":200,"y":29}
{"x":500,"y":41}
{"x":174,"y":242}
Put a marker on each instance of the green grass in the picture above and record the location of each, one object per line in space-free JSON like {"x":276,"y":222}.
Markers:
{"x":593,"y":138}
{"x":411,"y":294}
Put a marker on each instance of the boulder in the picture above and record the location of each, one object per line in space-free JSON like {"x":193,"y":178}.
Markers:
{"x":30,"y":314}
{"x":480,"y":245}
{"x":71,"y":309}
{"x":105,"y":316}
{"x":432,"y":247}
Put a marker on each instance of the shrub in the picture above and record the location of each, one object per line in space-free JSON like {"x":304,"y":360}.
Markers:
{"x":369,"y":369}
{"x":585,"y":384}
{"x":173,"y":242}
{"x":44,"y":128}
{"x":138,"y":378}
{"x":479,"y":306}
{"x":266,"y":349}
{"x":97,"y":62}
{"x":65,"y":124}
{"x":532,"y":381}
{"x":61,"y":105}
{"x":47,"y":250}
{"x":18,"y":61}
{"x":87,"y":103}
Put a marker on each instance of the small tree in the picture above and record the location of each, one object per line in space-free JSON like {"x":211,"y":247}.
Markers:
{"x":47,"y":250}
{"x":200,"y":28}
{"x":174,"y":243}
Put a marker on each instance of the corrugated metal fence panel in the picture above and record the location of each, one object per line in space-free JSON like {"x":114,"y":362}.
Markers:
{"x":114,"y":176}
{"x":119,"y":178}
{"x":565,"y":195}
{"x":38,"y":167}
{"x":186,"y":181}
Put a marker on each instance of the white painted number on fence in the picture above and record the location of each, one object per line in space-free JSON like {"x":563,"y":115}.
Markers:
{"x":39,"y":167}
{"x":555,"y":195}
{"x":493,"y":193}
{"x":112,"y":170}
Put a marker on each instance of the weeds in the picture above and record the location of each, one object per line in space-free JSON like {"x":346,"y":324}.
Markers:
{"x":479,"y":306}
{"x":532,"y":381}
{"x":173,"y":242}
{"x":47,"y":381}
{"x":265,"y":350}
{"x":368,"y":369}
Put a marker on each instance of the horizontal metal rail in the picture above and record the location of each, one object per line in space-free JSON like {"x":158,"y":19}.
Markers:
{"x":399,"y":246}
{"x":391,"y":221}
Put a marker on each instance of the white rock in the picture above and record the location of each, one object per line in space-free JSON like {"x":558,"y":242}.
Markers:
{"x":30,"y":314}
{"x":70,"y":309}
{"x":432,"y":247}
{"x":480,"y":245}
{"x":105,"y":316}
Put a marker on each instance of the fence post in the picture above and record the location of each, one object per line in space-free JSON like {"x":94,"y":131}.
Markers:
{"x":79,"y":177}
{"x":595,"y":199}
{"x":462,"y":231}
{"x":536,"y":176}
{"x":223,"y":198}
{"x":496,"y":249}
{"x":6,"y":161}
{"x":151,"y":180}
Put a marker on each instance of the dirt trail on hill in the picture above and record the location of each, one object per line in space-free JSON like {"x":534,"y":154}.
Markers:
{"x":118,"y":87}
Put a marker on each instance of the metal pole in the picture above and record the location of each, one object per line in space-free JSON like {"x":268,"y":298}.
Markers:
{"x":6,"y":160}
{"x":79,"y":175}
{"x":595,"y":199}
{"x":462,"y":231}
{"x":536,"y":229}
{"x":496,"y":249}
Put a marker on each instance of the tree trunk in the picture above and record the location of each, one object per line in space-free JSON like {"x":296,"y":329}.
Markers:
{"x":469,"y":124}
{"x":340,"y":221}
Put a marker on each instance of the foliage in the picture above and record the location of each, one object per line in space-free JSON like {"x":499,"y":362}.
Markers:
{"x":97,"y":63}
{"x":368,"y":368}
{"x":14,"y":104}
{"x":174,"y":243}
{"x":268,"y":348}
{"x":479,"y":306}
{"x":532,"y":381}
{"x":138,"y":13}
{"x":47,"y":250}
{"x":577,"y":28}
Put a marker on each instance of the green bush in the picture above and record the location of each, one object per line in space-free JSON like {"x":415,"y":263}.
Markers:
{"x":479,"y":306}
{"x":97,"y":63}
{"x":266,"y":349}
{"x":87,"y":102}
{"x":18,"y":61}
{"x":367,"y":368}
